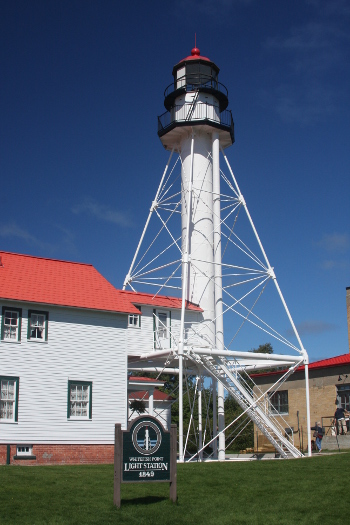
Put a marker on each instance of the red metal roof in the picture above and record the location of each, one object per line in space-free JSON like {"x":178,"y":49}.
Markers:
{"x":195,"y":55}
{"x":343,"y":359}
{"x":158,"y":395}
{"x":145,"y":380}
{"x":50,"y":281}
{"x":159,"y":300}
{"x":63,"y":283}
{"x":338,"y":360}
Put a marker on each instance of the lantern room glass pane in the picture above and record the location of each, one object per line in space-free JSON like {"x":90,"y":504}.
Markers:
{"x":180,"y":78}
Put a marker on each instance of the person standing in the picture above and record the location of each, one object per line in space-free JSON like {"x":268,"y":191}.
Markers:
{"x":340,"y":423}
{"x":318,"y":434}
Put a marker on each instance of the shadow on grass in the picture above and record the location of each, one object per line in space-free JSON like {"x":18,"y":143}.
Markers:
{"x":146,"y":500}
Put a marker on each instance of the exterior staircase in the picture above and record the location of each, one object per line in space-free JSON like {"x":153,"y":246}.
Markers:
{"x":222,"y":369}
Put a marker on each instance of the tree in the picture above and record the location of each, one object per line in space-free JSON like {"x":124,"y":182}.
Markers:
{"x":138,"y":405}
{"x":266,"y":349}
{"x":263,"y":349}
{"x":240,"y":435}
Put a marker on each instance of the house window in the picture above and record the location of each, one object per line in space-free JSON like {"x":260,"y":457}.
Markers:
{"x":279,"y":402}
{"x":9,"y":398}
{"x":343,"y":396}
{"x":134,"y":320}
{"x":37,"y":325}
{"x":79,"y":400}
{"x":24,"y":450}
{"x":11,"y":324}
{"x":162,"y":329}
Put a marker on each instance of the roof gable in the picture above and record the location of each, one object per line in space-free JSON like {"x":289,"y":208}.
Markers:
{"x":50,"y":281}
{"x":41,"y":280}
{"x":164,"y":301}
{"x":338,"y":360}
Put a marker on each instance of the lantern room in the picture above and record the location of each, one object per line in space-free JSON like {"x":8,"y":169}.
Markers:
{"x":195,"y":98}
{"x":196,"y":73}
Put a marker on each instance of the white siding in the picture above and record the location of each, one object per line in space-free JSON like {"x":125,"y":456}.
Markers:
{"x":141,"y":340}
{"x":83,"y":346}
{"x":161,"y":410}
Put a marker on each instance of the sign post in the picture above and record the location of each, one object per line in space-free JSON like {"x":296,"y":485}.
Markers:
{"x":146,"y":452}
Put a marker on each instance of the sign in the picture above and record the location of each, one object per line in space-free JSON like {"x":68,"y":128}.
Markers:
{"x":146,"y":452}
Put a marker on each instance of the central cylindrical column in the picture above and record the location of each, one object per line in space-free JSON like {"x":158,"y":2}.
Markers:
{"x":200,"y":278}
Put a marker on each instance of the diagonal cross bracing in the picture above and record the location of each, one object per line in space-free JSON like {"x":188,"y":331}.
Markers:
{"x":220,"y":368}
{"x":164,"y":256}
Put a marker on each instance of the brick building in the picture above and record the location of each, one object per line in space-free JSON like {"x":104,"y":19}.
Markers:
{"x":329,"y":386}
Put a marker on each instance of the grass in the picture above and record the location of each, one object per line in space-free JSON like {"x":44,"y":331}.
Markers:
{"x":307,"y":491}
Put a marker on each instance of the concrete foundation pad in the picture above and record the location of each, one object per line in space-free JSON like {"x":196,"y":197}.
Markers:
{"x":332,"y":442}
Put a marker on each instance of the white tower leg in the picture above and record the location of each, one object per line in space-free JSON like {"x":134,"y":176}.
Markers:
{"x":215,"y":418}
{"x":219,"y":323}
{"x":185,"y":281}
{"x":181,"y":410}
{"x":200,"y":423}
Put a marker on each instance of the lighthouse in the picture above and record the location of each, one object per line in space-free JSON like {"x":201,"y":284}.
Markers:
{"x":197,"y":124}
{"x":182,"y":256}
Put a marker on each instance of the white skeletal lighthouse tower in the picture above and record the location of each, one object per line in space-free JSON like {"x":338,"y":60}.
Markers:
{"x":205,"y":260}
{"x":197,"y":104}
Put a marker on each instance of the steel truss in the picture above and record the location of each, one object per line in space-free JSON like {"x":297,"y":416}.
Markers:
{"x":162,"y":262}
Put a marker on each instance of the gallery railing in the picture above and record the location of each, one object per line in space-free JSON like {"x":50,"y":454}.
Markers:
{"x":199,"y":112}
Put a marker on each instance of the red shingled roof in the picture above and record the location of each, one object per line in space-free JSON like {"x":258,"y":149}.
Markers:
{"x":338,"y":360}
{"x":50,"y":281}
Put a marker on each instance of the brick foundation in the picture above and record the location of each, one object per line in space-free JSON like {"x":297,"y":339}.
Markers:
{"x":60,"y":455}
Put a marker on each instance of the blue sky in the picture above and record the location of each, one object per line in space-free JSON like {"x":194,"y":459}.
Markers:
{"x":82,"y":85}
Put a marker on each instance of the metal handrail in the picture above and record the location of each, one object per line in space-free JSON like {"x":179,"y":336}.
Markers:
{"x":204,"y":82}
{"x":332,"y":422}
{"x":203,"y":112}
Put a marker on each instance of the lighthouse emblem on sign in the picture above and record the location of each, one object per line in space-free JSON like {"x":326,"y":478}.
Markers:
{"x":146,"y":438}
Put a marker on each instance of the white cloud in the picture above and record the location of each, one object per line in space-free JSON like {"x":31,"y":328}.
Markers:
{"x":326,"y":8}
{"x":305,"y":106}
{"x":12,"y":230}
{"x":334,"y":242}
{"x":331,"y":264}
{"x":313,"y":328}
{"x":64,"y":242}
{"x":335,"y":245}
{"x":102,"y":212}
{"x":314,"y":56}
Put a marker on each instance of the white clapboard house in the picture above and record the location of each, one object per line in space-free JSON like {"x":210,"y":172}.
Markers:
{"x":149,"y":400}
{"x":66,"y":334}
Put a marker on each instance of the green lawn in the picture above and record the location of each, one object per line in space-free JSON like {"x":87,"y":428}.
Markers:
{"x":310,"y":491}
